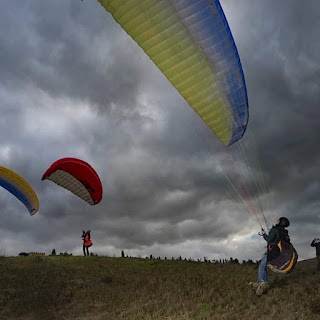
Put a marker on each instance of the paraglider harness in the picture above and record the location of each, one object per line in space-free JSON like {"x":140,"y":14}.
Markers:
{"x":281,"y":256}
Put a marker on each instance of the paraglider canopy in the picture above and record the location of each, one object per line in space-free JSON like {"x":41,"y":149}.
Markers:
{"x":191,"y":43}
{"x":76,"y":176}
{"x":20,"y":188}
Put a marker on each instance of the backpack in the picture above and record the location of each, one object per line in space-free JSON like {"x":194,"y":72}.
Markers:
{"x":282,"y":257}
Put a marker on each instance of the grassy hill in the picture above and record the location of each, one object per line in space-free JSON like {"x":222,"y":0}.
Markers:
{"x":127,"y":288}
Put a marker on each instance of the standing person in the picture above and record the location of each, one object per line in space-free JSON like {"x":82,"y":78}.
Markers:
{"x":87,"y":243}
{"x":316,"y":243}
{"x":83,"y":246}
{"x":277,"y":233}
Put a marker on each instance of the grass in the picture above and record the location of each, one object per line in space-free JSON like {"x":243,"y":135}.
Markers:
{"x":128,"y":288}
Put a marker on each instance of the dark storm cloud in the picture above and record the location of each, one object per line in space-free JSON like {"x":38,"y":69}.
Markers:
{"x":280,"y":54}
{"x":58,"y":48}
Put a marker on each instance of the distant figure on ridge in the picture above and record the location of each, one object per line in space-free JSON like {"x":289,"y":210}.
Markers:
{"x":316,"y":243}
{"x":87,"y":243}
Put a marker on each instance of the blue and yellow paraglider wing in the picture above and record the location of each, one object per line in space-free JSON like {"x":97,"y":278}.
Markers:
{"x":191,"y":43}
{"x":20,"y":188}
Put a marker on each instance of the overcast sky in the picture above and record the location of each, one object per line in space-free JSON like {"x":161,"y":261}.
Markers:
{"x":74,"y":84}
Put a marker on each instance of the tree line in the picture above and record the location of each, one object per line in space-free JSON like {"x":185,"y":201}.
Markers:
{"x":205,"y":259}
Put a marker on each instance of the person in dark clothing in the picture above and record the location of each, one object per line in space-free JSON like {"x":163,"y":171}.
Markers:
{"x":316,"y":243}
{"x":83,"y":246}
{"x":277,"y":233}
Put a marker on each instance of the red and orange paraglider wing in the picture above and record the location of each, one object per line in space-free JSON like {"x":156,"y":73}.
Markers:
{"x":78,"y":177}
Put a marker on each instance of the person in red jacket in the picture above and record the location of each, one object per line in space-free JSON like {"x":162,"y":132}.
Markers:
{"x":87,"y":243}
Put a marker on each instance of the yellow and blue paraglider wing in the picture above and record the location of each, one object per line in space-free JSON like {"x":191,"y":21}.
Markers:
{"x":20,"y":188}
{"x":191,"y":43}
